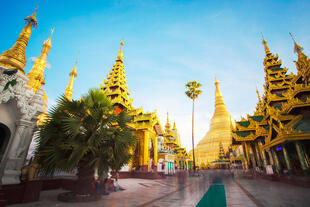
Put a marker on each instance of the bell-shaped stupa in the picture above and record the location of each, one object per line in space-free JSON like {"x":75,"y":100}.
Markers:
{"x":207,"y":149}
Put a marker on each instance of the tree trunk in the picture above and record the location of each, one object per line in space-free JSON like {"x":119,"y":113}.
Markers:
{"x":85,"y":184}
{"x":193,"y":143}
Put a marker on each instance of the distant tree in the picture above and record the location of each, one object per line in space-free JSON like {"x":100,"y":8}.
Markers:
{"x":192,"y":91}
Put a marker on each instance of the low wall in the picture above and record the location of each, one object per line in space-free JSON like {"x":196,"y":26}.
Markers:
{"x":22,"y":193}
{"x":141,"y":175}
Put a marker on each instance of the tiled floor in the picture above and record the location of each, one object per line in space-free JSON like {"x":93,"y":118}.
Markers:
{"x":174,"y":192}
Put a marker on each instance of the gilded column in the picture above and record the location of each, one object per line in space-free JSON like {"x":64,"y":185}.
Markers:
{"x":155,"y":151}
{"x":287,"y":160}
{"x":277,"y":163}
{"x":301,"y":156}
{"x":247,"y":158}
{"x":264,"y":158}
{"x":259,"y":161}
{"x":252,"y":155}
{"x":146,"y":150}
{"x":270,"y":157}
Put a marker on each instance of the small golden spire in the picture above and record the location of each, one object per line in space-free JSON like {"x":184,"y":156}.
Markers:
{"x":15,"y":58}
{"x":297,"y":48}
{"x":259,"y":99}
{"x":120,"y":53}
{"x":267,"y":51}
{"x":167,"y":124}
{"x":48,"y":42}
{"x":35,"y":75}
{"x":217,"y":89}
{"x":174,"y":126}
{"x":72,"y":74}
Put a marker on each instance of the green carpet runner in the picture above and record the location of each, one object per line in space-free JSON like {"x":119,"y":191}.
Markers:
{"x":215,"y":196}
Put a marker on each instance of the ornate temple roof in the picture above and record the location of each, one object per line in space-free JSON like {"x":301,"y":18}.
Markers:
{"x":115,"y":87}
{"x":281,"y":114}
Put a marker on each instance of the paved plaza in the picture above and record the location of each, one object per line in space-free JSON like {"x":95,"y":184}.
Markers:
{"x":180,"y":191}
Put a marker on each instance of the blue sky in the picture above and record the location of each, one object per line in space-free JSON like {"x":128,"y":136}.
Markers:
{"x":167,"y":43}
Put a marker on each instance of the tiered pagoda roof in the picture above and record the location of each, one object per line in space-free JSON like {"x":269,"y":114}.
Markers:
{"x":115,"y":86}
{"x":281,"y":113}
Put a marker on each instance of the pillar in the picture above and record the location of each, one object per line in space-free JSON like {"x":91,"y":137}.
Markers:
{"x":146,"y":141}
{"x":259,"y":161}
{"x":270,"y":157}
{"x":264,"y":158}
{"x":287,"y":160}
{"x":155,"y":151}
{"x":254,"y":164}
{"x":247,"y":158}
{"x":302,"y":158}
{"x":276,"y":160}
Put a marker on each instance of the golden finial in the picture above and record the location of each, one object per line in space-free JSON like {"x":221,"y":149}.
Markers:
{"x":217,"y":89}
{"x":72,"y":74}
{"x":216,"y":82}
{"x":33,"y":18}
{"x":120,"y":53}
{"x":258,"y":95}
{"x":167,"y":117}
{"x":297,"y":48}
{"x":267,"y":51}
{"x":174,"y":126}
{"x":48,"y":41}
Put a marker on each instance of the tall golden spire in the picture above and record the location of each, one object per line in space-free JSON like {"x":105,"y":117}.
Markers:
{"x":115,"y":87}
{"x":174,"y":126}
{"x":15,"y":57}
{"x":219,"y":133}
{"x":267,"y":51}
{"x":72,"y":74}
{"x":35,"y":75}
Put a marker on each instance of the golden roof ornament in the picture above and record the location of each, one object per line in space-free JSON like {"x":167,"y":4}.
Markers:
{"x":167,"y":126}
{"x":120,"y":53}
{"x":73,"y":75}
{"x":15,"y":57}
{"x":264,"y":42}
{"x":297,"y":48}
{"x":35,"y":75}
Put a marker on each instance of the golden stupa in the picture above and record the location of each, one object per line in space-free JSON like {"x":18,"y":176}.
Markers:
{"x":207,"y":149}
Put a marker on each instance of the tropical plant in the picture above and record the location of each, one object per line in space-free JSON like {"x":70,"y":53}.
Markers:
{"x":84,"y":134}
{"x":192,"y":91}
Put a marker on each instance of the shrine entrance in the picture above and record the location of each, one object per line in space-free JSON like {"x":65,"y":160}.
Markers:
{"x":5,"y":134}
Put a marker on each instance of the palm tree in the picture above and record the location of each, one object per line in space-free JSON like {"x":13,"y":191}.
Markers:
{"x":84,"y":134}
{"x":193,"y":92}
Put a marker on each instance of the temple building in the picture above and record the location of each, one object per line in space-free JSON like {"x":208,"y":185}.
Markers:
{"x":19,"y":107}
{"x":171,"y":154}
{"x":276,"y":138}
{"x":146,"y":126}
{"x":207,"y":150}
